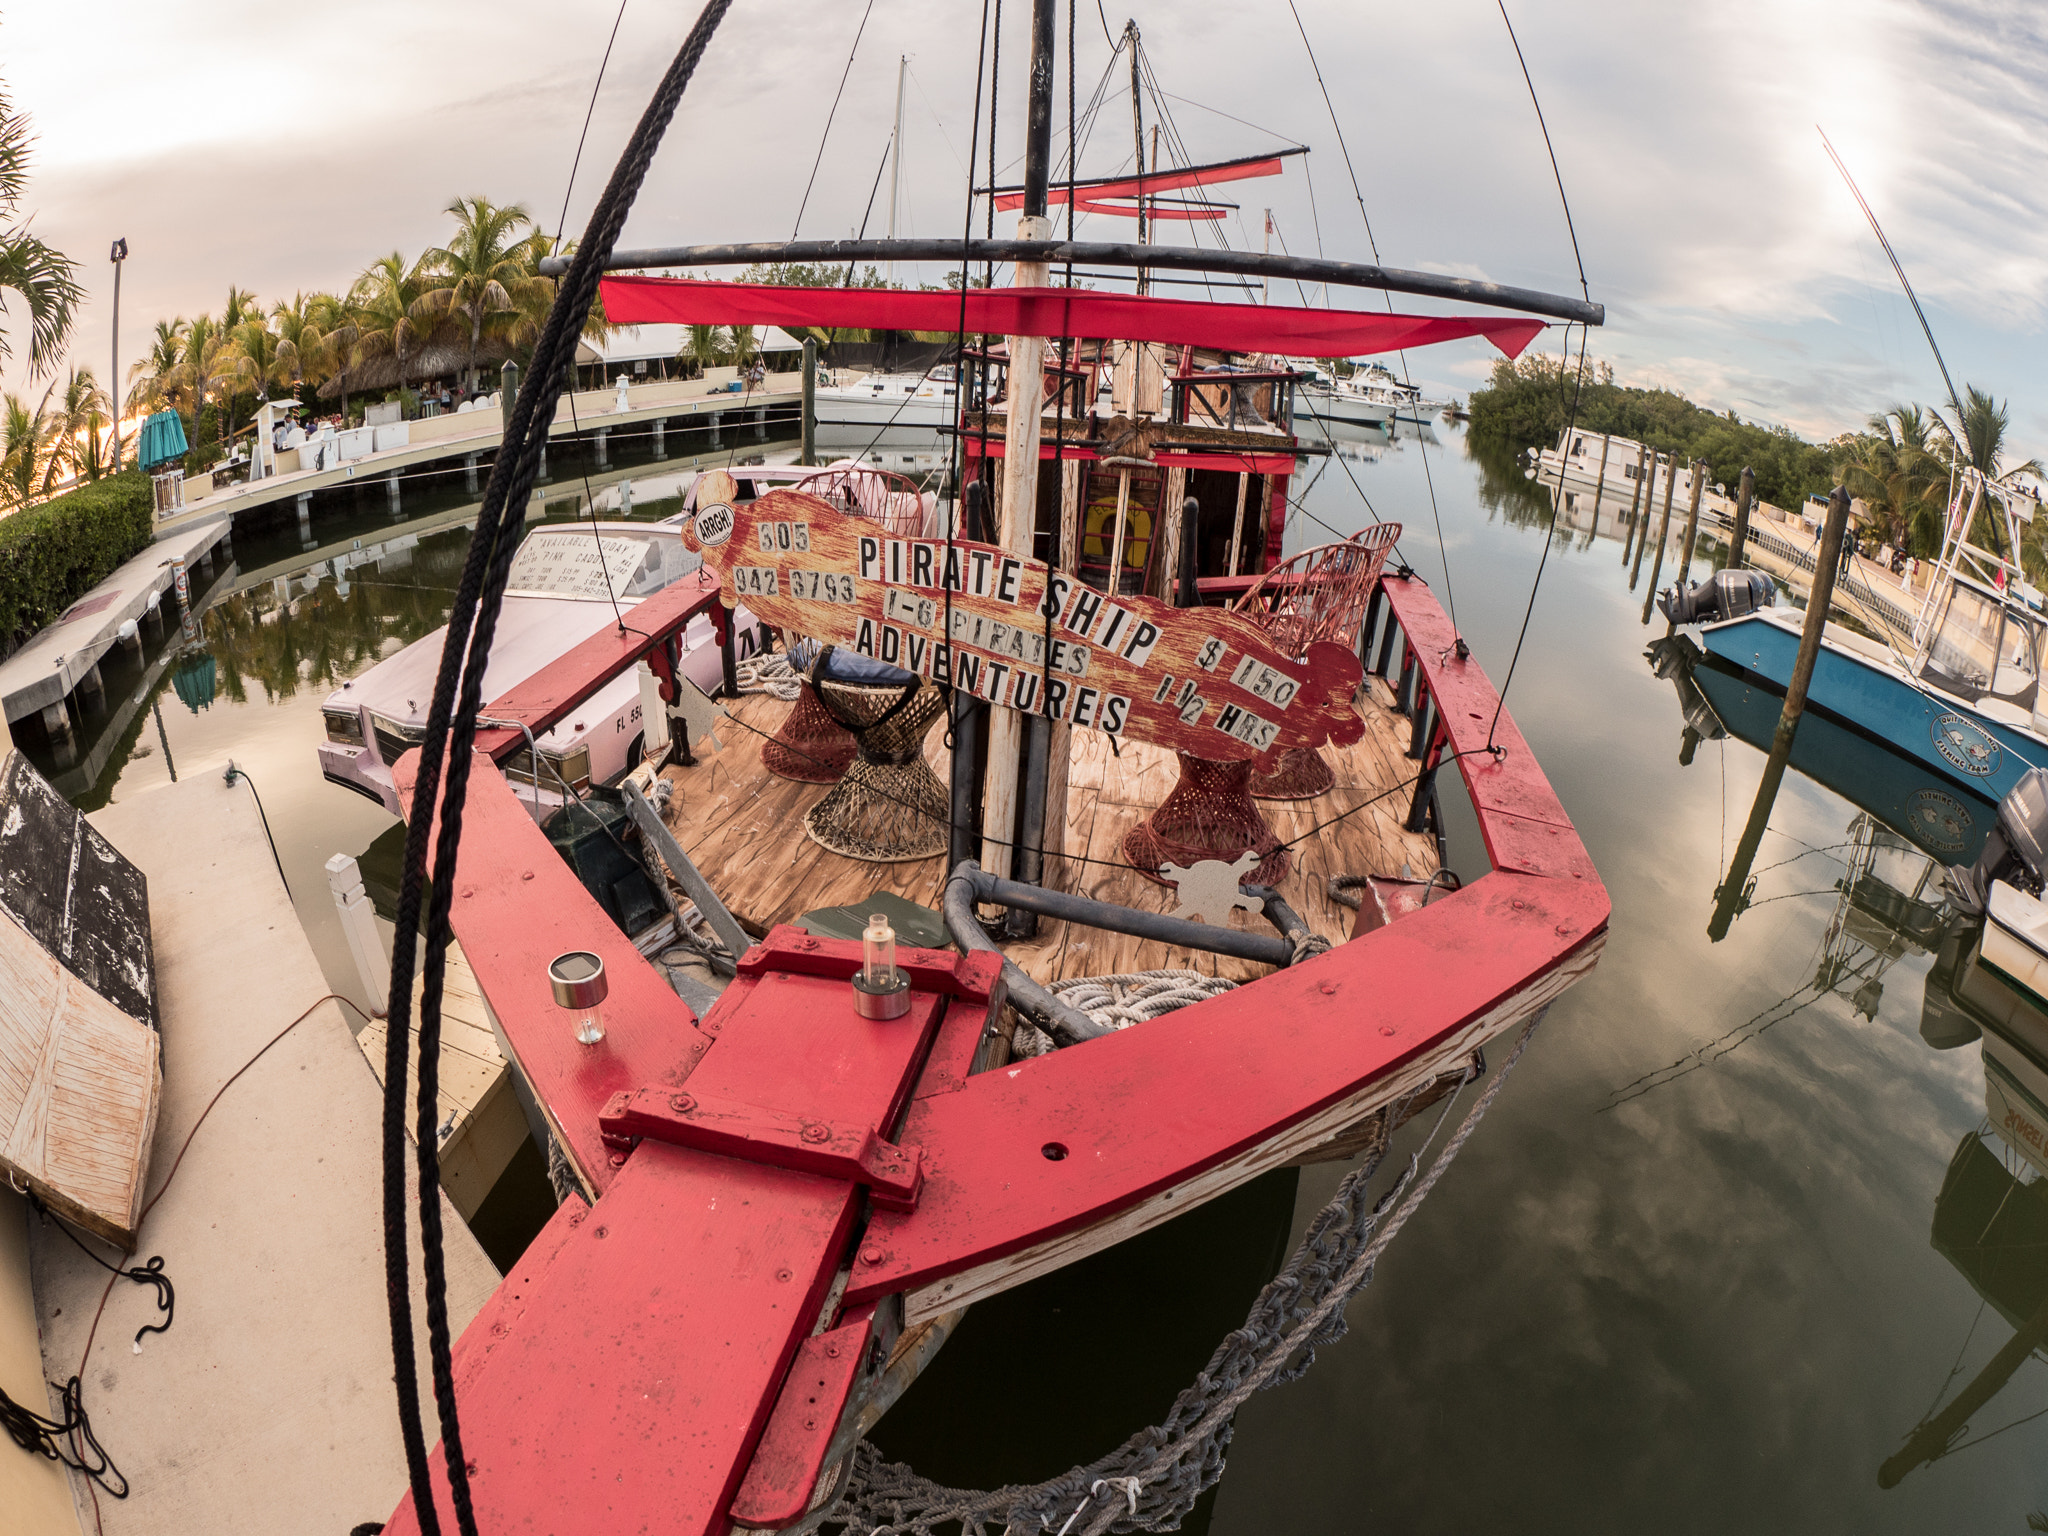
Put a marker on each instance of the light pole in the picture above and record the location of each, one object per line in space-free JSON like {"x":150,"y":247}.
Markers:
{"x":119,"y":255}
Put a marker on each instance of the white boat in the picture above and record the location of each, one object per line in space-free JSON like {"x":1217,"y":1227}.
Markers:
{"x":869,"y":402}
{"x":1370,"y":396}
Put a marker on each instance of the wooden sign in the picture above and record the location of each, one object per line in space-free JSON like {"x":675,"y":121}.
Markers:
{"x":1023,"y":637}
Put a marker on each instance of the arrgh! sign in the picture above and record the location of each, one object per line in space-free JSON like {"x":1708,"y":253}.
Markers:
{"x":1024,"y":637}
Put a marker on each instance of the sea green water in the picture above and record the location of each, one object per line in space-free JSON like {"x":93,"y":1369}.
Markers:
{"x":1680,"y":1280}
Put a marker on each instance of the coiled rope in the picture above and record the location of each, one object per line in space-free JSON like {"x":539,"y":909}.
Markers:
{"x":1121,"y":1001}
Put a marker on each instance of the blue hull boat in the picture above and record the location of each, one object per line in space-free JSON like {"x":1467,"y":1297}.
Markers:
{"x":1877,"y":697}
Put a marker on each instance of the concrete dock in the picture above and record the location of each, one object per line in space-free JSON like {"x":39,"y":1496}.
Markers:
{"x":469,"y":436}
{"x":37,"y":679}
{"x":268,"y":1405}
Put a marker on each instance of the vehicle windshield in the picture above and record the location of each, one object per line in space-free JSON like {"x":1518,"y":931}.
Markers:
{"x":598,"y":564}
{"x":1983,"y":648}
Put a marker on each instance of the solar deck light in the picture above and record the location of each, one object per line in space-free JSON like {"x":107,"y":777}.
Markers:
{"x":880,"y":991}
{"x":580,"y":987}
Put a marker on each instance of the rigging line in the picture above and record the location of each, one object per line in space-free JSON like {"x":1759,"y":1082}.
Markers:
{"x":1256,"y":127}
{"x":939,"y":123}
{"x":826,"y":136}
{"x":1542,"y":560}
{"x":1339,"y":127}
{"x":1559,"y":175}
{"x":1892,"y":256}
{"x":1964,"y":1445}
{"x":562,"y":223}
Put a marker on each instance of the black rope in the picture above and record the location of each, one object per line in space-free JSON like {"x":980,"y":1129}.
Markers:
{"x":48,"y":1438}
{"x":150,"y":1273}
{"x":450,"y":734}
{"x":1556,"y":174}
{"x":562,"y":223}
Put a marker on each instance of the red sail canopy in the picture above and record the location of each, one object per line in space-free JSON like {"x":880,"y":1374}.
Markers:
{"x":1150,"y":182}
{"x":1077,"y":312}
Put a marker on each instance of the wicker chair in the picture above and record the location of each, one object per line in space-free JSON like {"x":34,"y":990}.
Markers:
{"x":889,"y":806}
{"x":811,"y":746}
{"x":1319,"y":594}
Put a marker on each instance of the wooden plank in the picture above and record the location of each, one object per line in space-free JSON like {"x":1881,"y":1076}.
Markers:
{"x":79,"y":1081}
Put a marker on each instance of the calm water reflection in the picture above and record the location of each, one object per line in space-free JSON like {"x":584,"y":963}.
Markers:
{"x":1725,"y":1240}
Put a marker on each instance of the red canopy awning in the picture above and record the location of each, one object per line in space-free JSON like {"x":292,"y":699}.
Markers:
{"x":1076,"y":312}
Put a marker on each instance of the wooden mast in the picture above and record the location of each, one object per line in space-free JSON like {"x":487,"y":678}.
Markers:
{"x":1022,"y":425}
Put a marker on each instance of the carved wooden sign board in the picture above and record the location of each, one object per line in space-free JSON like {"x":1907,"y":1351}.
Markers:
{"x":1022,"y":636}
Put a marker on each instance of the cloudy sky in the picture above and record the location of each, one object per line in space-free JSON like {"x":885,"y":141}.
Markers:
{"x":283,"y":147}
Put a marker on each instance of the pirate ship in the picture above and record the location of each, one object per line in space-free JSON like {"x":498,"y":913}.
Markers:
{"x":1170,"y":750}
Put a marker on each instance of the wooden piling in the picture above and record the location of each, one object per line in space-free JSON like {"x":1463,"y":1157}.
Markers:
{"x":1692,"y":520}
{"x":1663,"y":537}
{"x":1634,"y":496}
{"x":1733,"y":894}
{"x":1745,"y":497}
{"x":1600,"y":484}
{"x":1643,"y":528}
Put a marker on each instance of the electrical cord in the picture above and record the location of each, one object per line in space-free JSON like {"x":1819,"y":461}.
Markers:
{"x":229,"y":777}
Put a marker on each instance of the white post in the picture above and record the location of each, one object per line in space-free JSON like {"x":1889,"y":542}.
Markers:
{"x":359,"y":922}
{"x":653,"y":711}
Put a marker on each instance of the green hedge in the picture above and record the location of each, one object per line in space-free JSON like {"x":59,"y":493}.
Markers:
{"x":52,"y":554}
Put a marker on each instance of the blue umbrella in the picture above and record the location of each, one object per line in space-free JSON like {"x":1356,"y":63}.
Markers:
{"x":163,"y":439}
{"x":194,"y":680}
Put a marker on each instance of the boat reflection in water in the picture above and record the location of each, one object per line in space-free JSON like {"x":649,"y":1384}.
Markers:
{"x":1991,"y":1215}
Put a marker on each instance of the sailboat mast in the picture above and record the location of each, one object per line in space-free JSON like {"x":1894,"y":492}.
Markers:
{"x":1138,"y":138}
{"x":1024,"y":417}
{"x":896,"y":153}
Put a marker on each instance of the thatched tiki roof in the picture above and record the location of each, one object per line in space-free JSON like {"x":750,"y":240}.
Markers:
{"x":444,"y":356}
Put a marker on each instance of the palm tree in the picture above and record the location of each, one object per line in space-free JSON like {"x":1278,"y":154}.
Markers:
{"x":256,"y":356}
{"x":79,"y":440}
{"x":309,"y":333}
{"x":486,"y":271}
{"x":45,"y":279}
{"x":24,"y":451}
{"x":149,"y":386}
{"x":1895,"y":472}
{"x":706,"y":346}
{"x":389,"y":313}
{"x":241,"y":305}
{"x":1978,"y":439}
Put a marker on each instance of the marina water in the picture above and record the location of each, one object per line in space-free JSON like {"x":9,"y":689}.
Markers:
{"x":1681,"y":1280}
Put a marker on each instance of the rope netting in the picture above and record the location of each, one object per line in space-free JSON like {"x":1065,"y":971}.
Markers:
{"x":1152,"y":1480}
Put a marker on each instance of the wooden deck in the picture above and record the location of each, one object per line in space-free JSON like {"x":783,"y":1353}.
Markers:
{"x":742,"y":827}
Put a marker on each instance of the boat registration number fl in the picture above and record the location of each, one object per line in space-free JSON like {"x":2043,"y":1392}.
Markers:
{"x":1022,"y":636}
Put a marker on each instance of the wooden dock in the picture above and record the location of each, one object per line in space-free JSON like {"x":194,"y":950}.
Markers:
{"x":741,"y":826}
{"x":480,"y":1118}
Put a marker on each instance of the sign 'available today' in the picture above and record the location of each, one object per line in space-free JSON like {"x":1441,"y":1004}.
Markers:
{"x":1025,"y":637}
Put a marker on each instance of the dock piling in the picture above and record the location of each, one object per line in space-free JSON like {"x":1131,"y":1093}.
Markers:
{"x":1745,"y":498}
{"x":359,"y":923}
{"x":809,"y":454}
{"x":391,"y":489}
{"x":603,"y":433}
{"x":1733,"y":894}
{"x":304,"y":503}
{"x":660,"y":437}
{"x":1692,"y":519}
{"x":1634,"y":496}
{"x":717,"y":420}
{"x":1600,"y":484}
{"x":1643,"y":527}
{"x":1663,"y":537}
{"x":469,"y":473}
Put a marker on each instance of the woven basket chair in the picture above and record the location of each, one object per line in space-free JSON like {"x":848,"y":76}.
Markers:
{"x":1208,"y":815}
{"x":1319,"y":594}
{"x":889,"y":806}
{"x":810,"y":746}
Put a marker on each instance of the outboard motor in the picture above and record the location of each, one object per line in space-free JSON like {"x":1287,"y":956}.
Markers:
{"x":1723,"y":595}
{"x":2015,"y":852}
